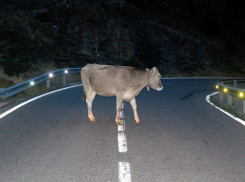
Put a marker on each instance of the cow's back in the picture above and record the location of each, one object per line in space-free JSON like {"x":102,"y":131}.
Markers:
{"x":108,"y":80}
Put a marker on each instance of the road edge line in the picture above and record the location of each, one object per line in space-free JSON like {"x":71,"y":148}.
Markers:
{"x":230,"y":115}
{"x":33,"y":99}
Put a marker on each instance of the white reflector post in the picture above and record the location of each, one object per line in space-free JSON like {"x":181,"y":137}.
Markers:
{"x":32,"y":83}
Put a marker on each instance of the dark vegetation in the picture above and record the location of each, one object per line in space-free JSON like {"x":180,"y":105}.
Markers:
{"x":181,"y":38}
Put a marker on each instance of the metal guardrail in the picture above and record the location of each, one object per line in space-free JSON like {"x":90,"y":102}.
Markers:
{"x":5,"y":93}
{"x":232,"y":87}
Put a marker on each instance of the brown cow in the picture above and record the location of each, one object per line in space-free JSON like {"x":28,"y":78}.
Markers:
{"x":121,"y":81}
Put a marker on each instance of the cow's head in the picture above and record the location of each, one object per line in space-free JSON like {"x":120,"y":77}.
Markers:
{"x":155,"y":79}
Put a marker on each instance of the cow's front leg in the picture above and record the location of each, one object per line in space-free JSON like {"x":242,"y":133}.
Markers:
{"x":134,"y":106}
{"x":119,"y":108}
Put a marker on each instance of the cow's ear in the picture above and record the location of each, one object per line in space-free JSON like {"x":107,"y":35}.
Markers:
{"x":153,"y":70}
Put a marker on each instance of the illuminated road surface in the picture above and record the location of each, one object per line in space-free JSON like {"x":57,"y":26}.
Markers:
{"x":181,"y":138}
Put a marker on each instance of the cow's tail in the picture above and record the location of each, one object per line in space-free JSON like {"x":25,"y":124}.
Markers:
{"x":84,"y":96}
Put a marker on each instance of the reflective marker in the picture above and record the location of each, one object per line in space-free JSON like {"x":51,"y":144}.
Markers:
{"x":32,"y":83}
{"x":66,"y":71}
{"x":241,"y":94}
{"x":51,"y":75}
{"x":225,"y":90}
{"x":217,"y":86}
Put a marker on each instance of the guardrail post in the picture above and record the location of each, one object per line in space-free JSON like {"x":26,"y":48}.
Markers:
{"x":221,"y":96}
{"x":243,"y":106}
{"x":64,"y":80}
{"x":235,"y":83}
{"x":48,"y":84}
{"x":229,"y":98}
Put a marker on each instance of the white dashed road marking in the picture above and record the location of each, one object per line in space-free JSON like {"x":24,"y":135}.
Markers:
{"x":124,"y":174}
{"x":121,"y":127}
{"x":122,"y":142}
{"x":121,"y":114}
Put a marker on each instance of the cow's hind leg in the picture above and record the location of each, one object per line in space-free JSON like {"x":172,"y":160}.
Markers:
{"x":119,"y":108}
{"x":89,"y":99}
{"x":134,"y":106}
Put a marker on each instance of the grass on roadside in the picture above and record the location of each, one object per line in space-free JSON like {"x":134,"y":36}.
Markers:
{"x":228,"y":109}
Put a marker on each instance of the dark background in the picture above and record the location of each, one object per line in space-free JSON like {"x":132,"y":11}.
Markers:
{"x":181,"y":38}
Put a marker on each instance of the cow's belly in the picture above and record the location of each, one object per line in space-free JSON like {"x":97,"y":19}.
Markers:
{"x":104,"y":93}
{"x":103,"y":88}
{"x":129,"y":95}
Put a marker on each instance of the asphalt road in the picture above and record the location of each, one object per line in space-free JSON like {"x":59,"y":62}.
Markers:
{"x":181,"y":138}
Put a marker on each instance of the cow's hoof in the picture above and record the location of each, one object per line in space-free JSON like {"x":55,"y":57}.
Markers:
{"x":138,"y":122}
{"x":119,"y":123}
{"x":92,"y":120}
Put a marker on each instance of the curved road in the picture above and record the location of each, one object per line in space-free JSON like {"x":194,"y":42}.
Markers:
{"x":181,"y":138}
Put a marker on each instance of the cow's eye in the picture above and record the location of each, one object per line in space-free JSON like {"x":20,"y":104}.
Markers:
{"x":159,"y":76}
